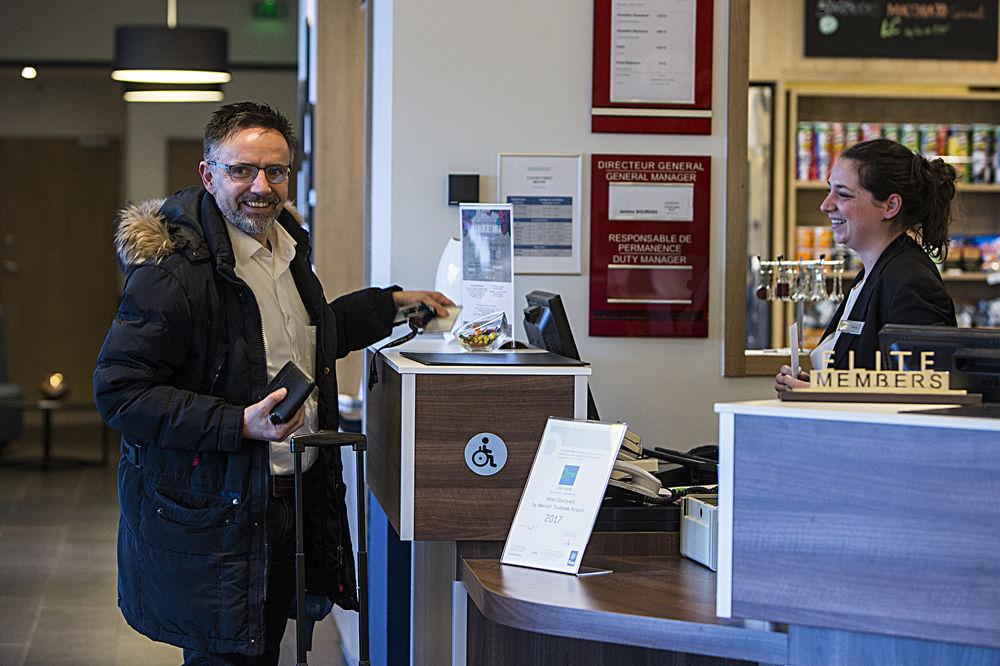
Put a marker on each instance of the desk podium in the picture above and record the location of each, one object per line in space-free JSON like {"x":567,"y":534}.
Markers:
{"x":419,"y":419}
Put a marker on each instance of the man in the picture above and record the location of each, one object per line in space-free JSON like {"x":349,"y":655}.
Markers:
{"x":219,"y":295}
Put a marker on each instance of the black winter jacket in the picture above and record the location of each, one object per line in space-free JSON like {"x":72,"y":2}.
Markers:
{"x":904,"y":288}
{"x":182,"y":359}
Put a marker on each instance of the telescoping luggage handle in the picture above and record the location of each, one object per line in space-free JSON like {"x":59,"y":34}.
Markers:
{"x":330,"y":440}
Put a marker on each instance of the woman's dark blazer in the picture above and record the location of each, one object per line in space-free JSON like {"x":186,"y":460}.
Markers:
{"x":905,"y":287}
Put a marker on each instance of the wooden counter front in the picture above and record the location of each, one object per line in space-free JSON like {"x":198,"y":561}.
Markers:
{"x":419,"y":420}
{"x":664,"y":603}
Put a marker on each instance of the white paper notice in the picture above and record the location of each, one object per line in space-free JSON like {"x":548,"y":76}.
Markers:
{"x":652,"y":51}
{"x":487,"y":261}
{"x":663,"y":203}
{"x":545,"y":191}
{"x":562,"y":495}
{"x":794,"y":349}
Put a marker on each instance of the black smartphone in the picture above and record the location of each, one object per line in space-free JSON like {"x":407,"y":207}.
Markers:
{"x":299,"y":387}
{"x":418,"y":316}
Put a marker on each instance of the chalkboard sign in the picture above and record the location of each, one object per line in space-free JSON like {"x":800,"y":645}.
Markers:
{"x":950,"y":30}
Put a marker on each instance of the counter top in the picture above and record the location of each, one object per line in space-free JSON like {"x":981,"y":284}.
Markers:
{"x":435,"y":343}
{"x":886,"y":413}
{"x":662,"y":603}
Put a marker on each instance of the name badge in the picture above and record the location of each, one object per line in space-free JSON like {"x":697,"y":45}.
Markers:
{"x":852,"y":327}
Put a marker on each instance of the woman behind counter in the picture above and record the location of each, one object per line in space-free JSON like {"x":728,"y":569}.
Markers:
{"x":893,"y":208}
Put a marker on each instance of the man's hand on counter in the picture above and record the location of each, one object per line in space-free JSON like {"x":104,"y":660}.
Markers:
{"x":433,"y":299}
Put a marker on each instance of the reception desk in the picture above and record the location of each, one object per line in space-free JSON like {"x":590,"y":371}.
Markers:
{"x":428,"y":506}
{"x":849,"y":534}
{"x":871,"y":531}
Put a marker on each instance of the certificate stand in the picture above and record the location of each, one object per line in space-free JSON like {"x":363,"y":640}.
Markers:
{"x":562,"y":495}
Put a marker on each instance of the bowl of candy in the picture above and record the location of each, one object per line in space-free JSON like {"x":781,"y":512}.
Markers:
{"x":483,"y":334}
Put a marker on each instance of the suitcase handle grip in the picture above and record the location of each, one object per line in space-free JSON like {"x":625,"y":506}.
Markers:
{"x":329,"y":439}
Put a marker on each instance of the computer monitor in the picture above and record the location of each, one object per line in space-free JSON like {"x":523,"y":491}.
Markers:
{"x":547,"y":327}
{"x":972,"y":355}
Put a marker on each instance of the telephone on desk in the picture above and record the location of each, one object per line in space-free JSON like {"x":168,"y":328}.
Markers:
{"x":631,"y":484}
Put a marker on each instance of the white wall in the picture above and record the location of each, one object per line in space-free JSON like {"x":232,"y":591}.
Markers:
{"x":61,"y":104}
{"x":471,"y":79}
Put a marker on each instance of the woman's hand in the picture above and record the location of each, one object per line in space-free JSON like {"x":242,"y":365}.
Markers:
{"x":784,"y":380}
{"x":433,"y":299}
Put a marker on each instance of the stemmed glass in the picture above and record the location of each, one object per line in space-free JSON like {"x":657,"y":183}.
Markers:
{"x":763,"y":289}
{"x":818,"y":291}
{"x":783,"y":286}
{"x":837,"y":289}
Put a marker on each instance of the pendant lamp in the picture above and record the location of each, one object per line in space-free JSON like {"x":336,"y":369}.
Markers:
{"x":172,"y":92}
{"x":192,"y":58}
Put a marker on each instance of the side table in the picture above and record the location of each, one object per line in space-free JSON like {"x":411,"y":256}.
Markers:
{"x":47,"y":408}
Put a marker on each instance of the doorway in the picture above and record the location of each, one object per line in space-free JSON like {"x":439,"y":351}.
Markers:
{"x":58,"y":273}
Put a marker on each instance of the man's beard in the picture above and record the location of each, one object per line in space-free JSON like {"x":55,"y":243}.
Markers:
{"x":253,"y":226}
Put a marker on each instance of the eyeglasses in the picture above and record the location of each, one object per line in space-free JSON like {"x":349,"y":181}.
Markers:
{"x":242,"y":173}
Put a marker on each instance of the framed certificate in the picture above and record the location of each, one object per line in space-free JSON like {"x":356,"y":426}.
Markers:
{"x":562,"y":495}
{"x":546,"y":193}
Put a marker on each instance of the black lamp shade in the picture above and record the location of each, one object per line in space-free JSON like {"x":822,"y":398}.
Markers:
{"x":159,"y":54}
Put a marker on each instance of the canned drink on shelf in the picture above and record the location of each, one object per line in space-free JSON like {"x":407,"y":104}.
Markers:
{"x":804,"y":242}
{"x":806,"y":156}
{"x":891,"y":131}
{"x":838,"y":137}
{"x":929,"y":141}
{"x":980,"y":145}
{"x":957,"y":150}
{"x":824,"y":150}
{"x":823,"y":242}
{"x":953,"y":260}
{"x":852,"y":134}
{"x":871,"y":131}
{"x":909,"y":136}
{"x":995,"y":156}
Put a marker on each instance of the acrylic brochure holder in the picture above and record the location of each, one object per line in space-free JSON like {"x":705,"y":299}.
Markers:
{"x":562,"y":495}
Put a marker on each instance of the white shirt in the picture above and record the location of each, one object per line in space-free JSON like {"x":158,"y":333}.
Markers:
{"x":288,"y":335}
{"x":829,"y":342}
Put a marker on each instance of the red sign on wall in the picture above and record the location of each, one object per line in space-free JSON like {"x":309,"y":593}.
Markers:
{"x":649,"y":245}
{"x":652,"y":67}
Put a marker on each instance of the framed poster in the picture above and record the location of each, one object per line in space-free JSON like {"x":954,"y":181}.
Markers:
{"x":649,"y":245}
{"x":942,"y":30}
{"x":652,"y":66}
{"x":546,"y":193}
{"x":487,"y":261}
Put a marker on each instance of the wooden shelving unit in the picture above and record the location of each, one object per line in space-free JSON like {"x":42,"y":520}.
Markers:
{"x":977,"y":206}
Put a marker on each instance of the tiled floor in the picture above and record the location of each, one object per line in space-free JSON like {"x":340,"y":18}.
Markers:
{"x":57,"y":565}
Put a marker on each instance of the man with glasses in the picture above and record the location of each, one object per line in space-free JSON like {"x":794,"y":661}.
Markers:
{"x":219,"y":295}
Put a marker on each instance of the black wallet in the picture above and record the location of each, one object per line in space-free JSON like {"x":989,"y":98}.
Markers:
{"x":299,"y":387}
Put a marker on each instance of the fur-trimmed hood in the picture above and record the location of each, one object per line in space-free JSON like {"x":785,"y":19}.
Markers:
{"x":142,"y":235}
{"x":146,"y":235}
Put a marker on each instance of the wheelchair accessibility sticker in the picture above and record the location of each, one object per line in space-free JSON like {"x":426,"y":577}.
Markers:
{"x":486,"y":454}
